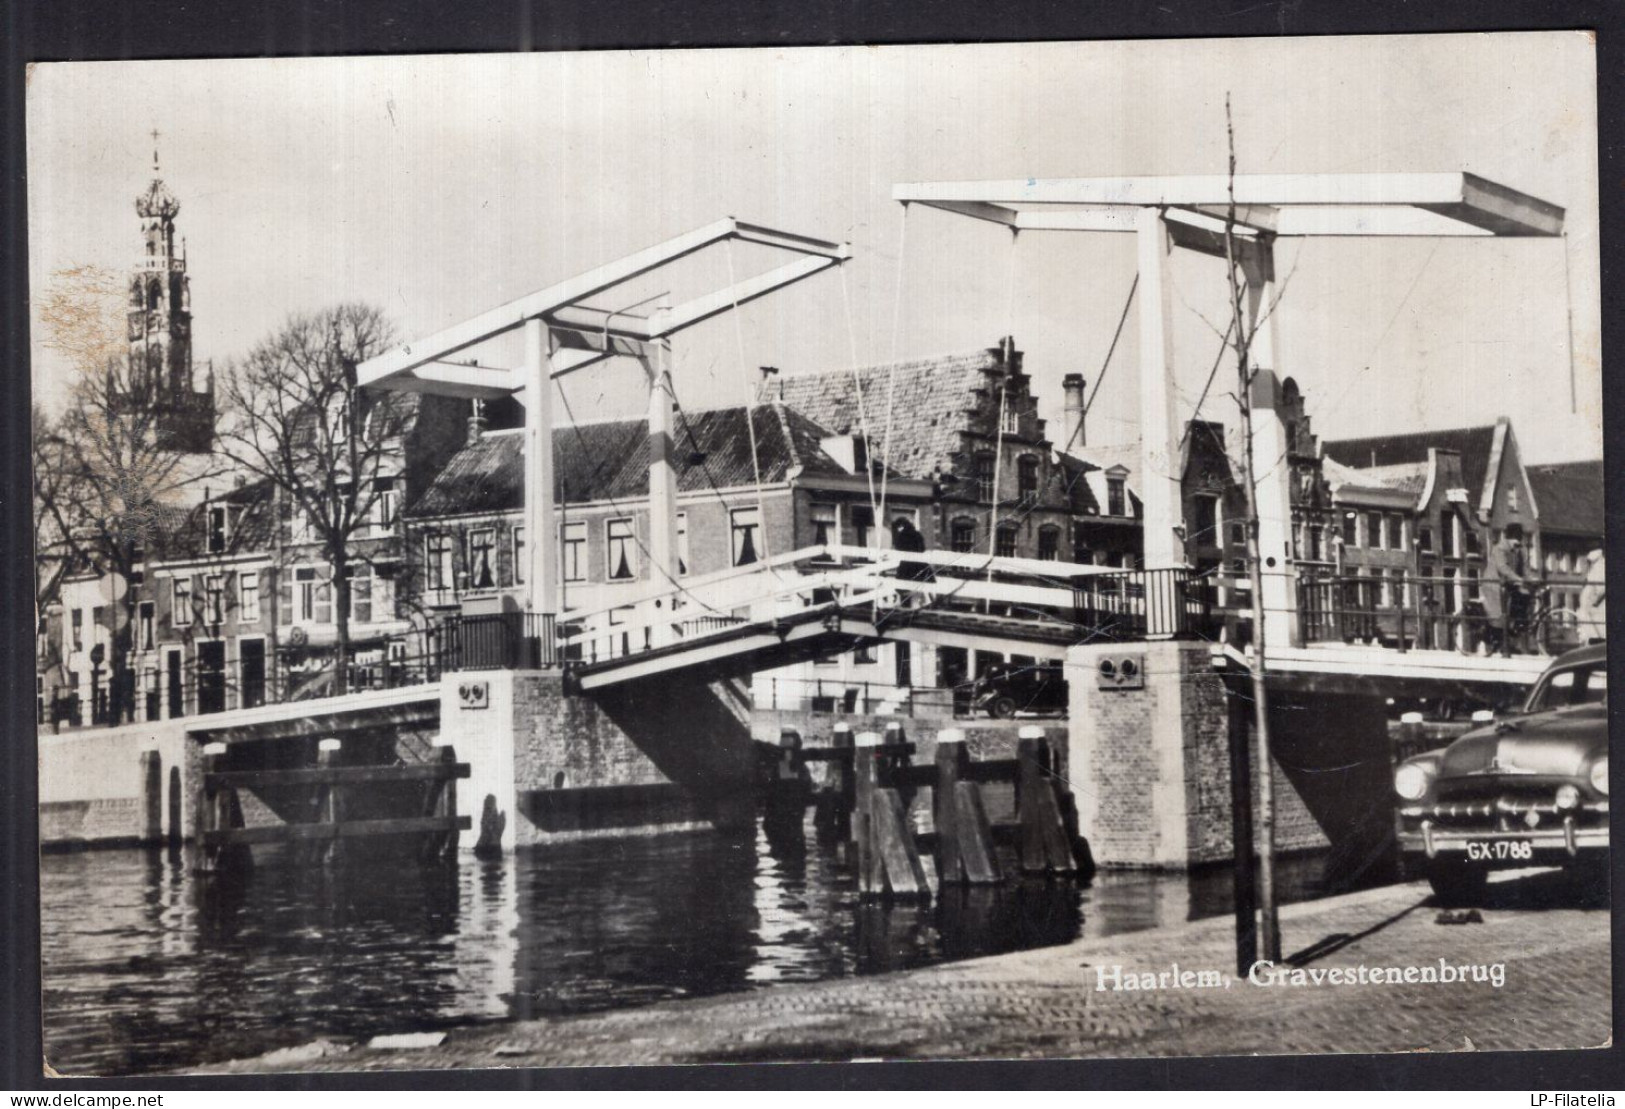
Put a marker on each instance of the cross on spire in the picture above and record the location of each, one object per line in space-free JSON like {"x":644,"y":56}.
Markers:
{"x":154,"y":134}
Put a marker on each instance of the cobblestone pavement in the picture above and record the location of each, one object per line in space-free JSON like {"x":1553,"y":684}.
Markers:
{"x":1046,"y":1003}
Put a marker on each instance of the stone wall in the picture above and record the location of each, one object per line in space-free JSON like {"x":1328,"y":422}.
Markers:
{"x":652,"y":756}
{"x":1151,"y":772}
{"x":91,"y":783}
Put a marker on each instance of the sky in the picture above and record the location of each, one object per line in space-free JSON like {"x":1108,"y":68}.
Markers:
{"x":440,"y":186}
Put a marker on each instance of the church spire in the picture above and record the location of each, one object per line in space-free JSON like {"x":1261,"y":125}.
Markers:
{"x":160,"y":324}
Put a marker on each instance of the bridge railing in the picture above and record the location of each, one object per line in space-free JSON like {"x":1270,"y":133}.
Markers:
{"x":1127,"y":605}
{"x":493,"y":641}
{"x":1409,"y":612}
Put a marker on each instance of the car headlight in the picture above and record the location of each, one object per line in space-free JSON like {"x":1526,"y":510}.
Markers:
{"x":1411,"y":781}
{"x":1568,"y":797}
{"x":1599,"y":775}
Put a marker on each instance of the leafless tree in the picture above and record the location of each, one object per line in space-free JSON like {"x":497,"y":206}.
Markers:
{"x":294,"y":416}
{"x":106,"y":486}
{"x":1243,"y":332}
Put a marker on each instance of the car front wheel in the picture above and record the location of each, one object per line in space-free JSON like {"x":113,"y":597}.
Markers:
{"x":1002,"y":707}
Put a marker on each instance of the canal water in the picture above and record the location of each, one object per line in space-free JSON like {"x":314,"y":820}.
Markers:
{"x":149,"y":968}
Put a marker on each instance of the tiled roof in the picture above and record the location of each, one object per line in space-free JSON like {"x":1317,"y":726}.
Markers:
{"x":1569,"y":496}
{"x":609,"y":460}
{"x":1474,"y":444}
{"x":184,"y":530}
{"x":1075,"y":472}
{"x":930,"y":403}
{"x":1402,"y":477}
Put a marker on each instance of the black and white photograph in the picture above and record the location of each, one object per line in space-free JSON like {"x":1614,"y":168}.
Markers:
{"x":822,"y":554}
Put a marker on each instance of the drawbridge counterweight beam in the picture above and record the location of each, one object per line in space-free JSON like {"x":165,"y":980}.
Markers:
{"x":563,"y":334}
{"x":1200,"y":213}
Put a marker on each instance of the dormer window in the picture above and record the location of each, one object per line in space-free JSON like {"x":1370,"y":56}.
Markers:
{"x":338,"y":419}
{"x":219,"y":528}
{"x":1116,"y":497}
{"x":860,"y":454}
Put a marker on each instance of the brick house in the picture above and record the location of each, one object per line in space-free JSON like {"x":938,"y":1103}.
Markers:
{"x":1573,"y":534}
{"x":466,"y":532}
{"x":1418,"y":514}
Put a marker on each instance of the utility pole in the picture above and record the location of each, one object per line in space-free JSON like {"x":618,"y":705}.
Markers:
{"x":1269,"y":927}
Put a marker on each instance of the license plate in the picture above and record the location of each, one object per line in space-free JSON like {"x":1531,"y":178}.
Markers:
{"x":1500,"y":850}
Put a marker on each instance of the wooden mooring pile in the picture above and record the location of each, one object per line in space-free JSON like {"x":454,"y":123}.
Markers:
{"x":330,"y":787}
{"x":871,"y":783}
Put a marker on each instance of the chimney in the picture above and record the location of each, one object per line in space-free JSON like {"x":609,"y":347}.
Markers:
{"x":1072,"y":425}
{"x":476,"y":422}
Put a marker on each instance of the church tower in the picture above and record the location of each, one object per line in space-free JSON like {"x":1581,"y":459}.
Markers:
{"x":160,"y":327}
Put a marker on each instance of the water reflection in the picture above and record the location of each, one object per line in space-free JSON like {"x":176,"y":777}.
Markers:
{"x":148,"y":967}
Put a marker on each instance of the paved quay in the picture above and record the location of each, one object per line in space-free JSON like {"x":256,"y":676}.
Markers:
{"x":1046,"y":1003}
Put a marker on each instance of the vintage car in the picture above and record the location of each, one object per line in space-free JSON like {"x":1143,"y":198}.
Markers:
{"x":1004,"y":690}
{"x":1528,"y":789}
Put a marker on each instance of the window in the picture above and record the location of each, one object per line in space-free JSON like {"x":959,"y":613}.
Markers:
{"x":745,"y":525}
{"x":1204,"y":526}
{"x":682,"y":543}
{"x":1027,"y":478}
{"x":985,"y":464}
{"x":1512,"y":498}
{"x":860,"y":454}
{"x":1451,"y":604}
{"x":864,"y":653}
{"x":482,"y":558}
{"x":180,"y":604}
{"x":1473,"y":593}
{"x":312,"y":597}
{"x":1376,"y":530}
{"x":863,"y":525}
{"x":304,"y":524}
{"x":1424,"y":539}
{"x":1116,"y":499}
{"x":1005,"y":544}
{"x":1351,"y":536}
{"x":219,"y":528}
{"x":1009,"y":420}
{"x":825,"y":525}
{"x":214,"y":598}
{"x":519,"y":554}
{"x":1238,"y":534}
{"x":1400,"y":529}
{"x":144,"y":626}
{"x":248,"y":597}
{"x":1400,"y":588}
{"x":437,"y":562}
{"x":573,"y":541}
{"x":1241,"y":585}
{"x":385,"y":503}
{"x":620,"y":554}
{"x":338,"y":419}
{"x":360,"y":593}
{"x":962,"y":536}
{"x":1447,"y":535}
{"x":1049,"y":544}
{"x":1473,"y":543}
{"x":78,"y":629}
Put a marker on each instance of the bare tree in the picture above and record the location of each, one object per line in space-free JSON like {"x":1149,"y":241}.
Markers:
{"x":1244,"y":332}
{"x":106,"y":487}
{"x":294,"y":416}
